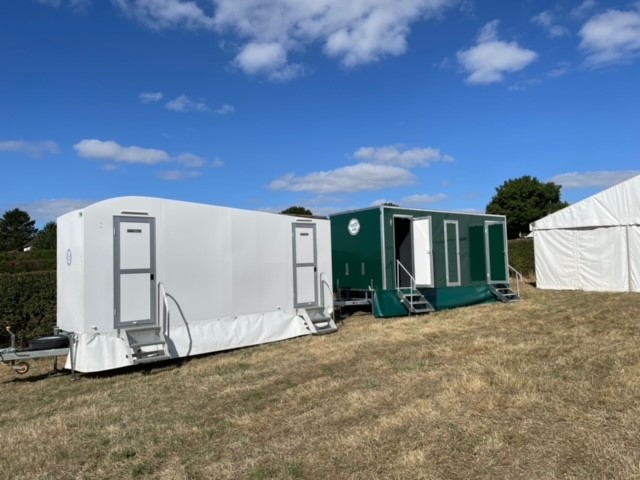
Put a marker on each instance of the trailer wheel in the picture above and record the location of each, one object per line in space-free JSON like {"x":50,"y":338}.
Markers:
{"x":21,"y":368}
{"x":49,"y":343}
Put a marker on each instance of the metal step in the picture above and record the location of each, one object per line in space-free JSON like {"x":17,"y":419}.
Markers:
{"x":503,"y":292}
{"x":159,"y":358}
{"x":147,"y":343}
{"x":414,"y":301}
{"x":143,"y":336}
{"x":322,"y":324}
{"x":141,"y":328}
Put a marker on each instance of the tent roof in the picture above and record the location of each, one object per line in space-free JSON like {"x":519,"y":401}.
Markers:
{"x":618,"y":205}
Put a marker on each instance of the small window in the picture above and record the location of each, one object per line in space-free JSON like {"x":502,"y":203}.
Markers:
{"x":452,"y":252}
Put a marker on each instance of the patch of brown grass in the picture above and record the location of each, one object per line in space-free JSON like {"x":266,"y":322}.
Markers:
{"x":545,"y":388}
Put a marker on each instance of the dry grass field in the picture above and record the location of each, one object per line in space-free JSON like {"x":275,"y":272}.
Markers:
{"x":543,"y":389}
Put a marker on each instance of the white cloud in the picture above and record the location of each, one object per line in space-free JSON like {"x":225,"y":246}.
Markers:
{"x":178,"y":175}
{"x":34,"y":149}
{"x":583,"y":9}
{"x":599,"y":179}
{"x":423,"y":199}
{"x":354,"y":33}
{"x":611,"y":37}
{"x":352,"y":178}
{"x":409,"y":158}
{"x":218,"y":162}
{"x":183,"y":103}
{"x":225,"y":109}
{"x":114,"y":152}
{"x":269,"y":59}
{"x":79,"y":5}
{"x":150,"y":97}
{"x":162,"y":14}
{"x":412,"y":200}
{"x":323,"y":200}
{"x":490,"y":59}
{"x":261,"y":57}
{"x":47,"y":210}
{"x":547,"y":21}
{"x":562,"y":69}
{"x":191,"y":160}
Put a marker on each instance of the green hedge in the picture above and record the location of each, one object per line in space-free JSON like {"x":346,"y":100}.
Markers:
{"x":27,"y":305}
{"x":33,"y":261}
{"x":521,"y":255}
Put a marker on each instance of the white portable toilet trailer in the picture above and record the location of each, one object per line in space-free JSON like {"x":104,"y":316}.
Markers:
{"x":143,"y":279}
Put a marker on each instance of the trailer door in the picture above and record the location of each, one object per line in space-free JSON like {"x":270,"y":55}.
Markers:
{"x":305,"y":285}
{"x":134,"y":271}
{"x":422,"y":251}
{"x":496,"y":245}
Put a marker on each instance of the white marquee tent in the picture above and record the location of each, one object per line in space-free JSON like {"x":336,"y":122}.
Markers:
{"x":592,"y":245}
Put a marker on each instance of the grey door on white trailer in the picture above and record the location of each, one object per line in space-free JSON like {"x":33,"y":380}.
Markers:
{"x":134,"y":271}
{"x":305,"y":265}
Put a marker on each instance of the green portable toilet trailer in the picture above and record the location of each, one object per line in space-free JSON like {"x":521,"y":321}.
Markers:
{"x":415,"y":261}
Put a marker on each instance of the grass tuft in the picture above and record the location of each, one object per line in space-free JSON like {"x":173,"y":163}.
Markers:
{"x":545,"y":388}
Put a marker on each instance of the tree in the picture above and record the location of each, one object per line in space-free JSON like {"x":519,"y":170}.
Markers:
{"x":16,"y":229}
{"x":46,"y":238}
{"x":524,"y":200}
{"x":297,"y":210}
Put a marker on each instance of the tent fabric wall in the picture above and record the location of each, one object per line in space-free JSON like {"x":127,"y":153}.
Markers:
{"x":561,"y":273}
{"x":593,"y":245}
{"x":634,"y":257}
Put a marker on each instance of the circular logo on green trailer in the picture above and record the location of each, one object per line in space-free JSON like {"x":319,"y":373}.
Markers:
{"x":354,"y":226}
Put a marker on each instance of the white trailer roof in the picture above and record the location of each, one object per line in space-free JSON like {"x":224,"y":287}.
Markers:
{"x":618,"y":205}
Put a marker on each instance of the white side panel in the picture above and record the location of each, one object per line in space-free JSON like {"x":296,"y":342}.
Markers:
{"x":70,"y":272}
{"x":99,"y":283}
{"x":422,"y":260}
{"x":602,"y":259}
{"x":634,"y":257}
{"x":556,"y":261}
{"x":107,"y":350}
{"x":324,"y":272}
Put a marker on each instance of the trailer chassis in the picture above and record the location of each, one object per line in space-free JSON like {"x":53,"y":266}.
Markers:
{"x":18,"y":358}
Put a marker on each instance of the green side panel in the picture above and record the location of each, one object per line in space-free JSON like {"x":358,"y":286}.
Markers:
{"x":497,"y":254}
{"x":452,"y":252}
{"x":477,"y":260}
{"x":386,"y":303}
{"x":356,"y":259}
{"x":452,"y":297}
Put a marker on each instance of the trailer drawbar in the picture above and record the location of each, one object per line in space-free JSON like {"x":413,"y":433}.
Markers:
{"x":59,"y":344}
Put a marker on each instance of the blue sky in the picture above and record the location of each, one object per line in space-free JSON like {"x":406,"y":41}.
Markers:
{"x":329,"y":104}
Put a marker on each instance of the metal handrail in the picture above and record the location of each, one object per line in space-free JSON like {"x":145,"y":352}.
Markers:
{"x":518,"y":276}
{"x":165,"y":311}
{"x":413,"y":281}
{"x":324,"y":280}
